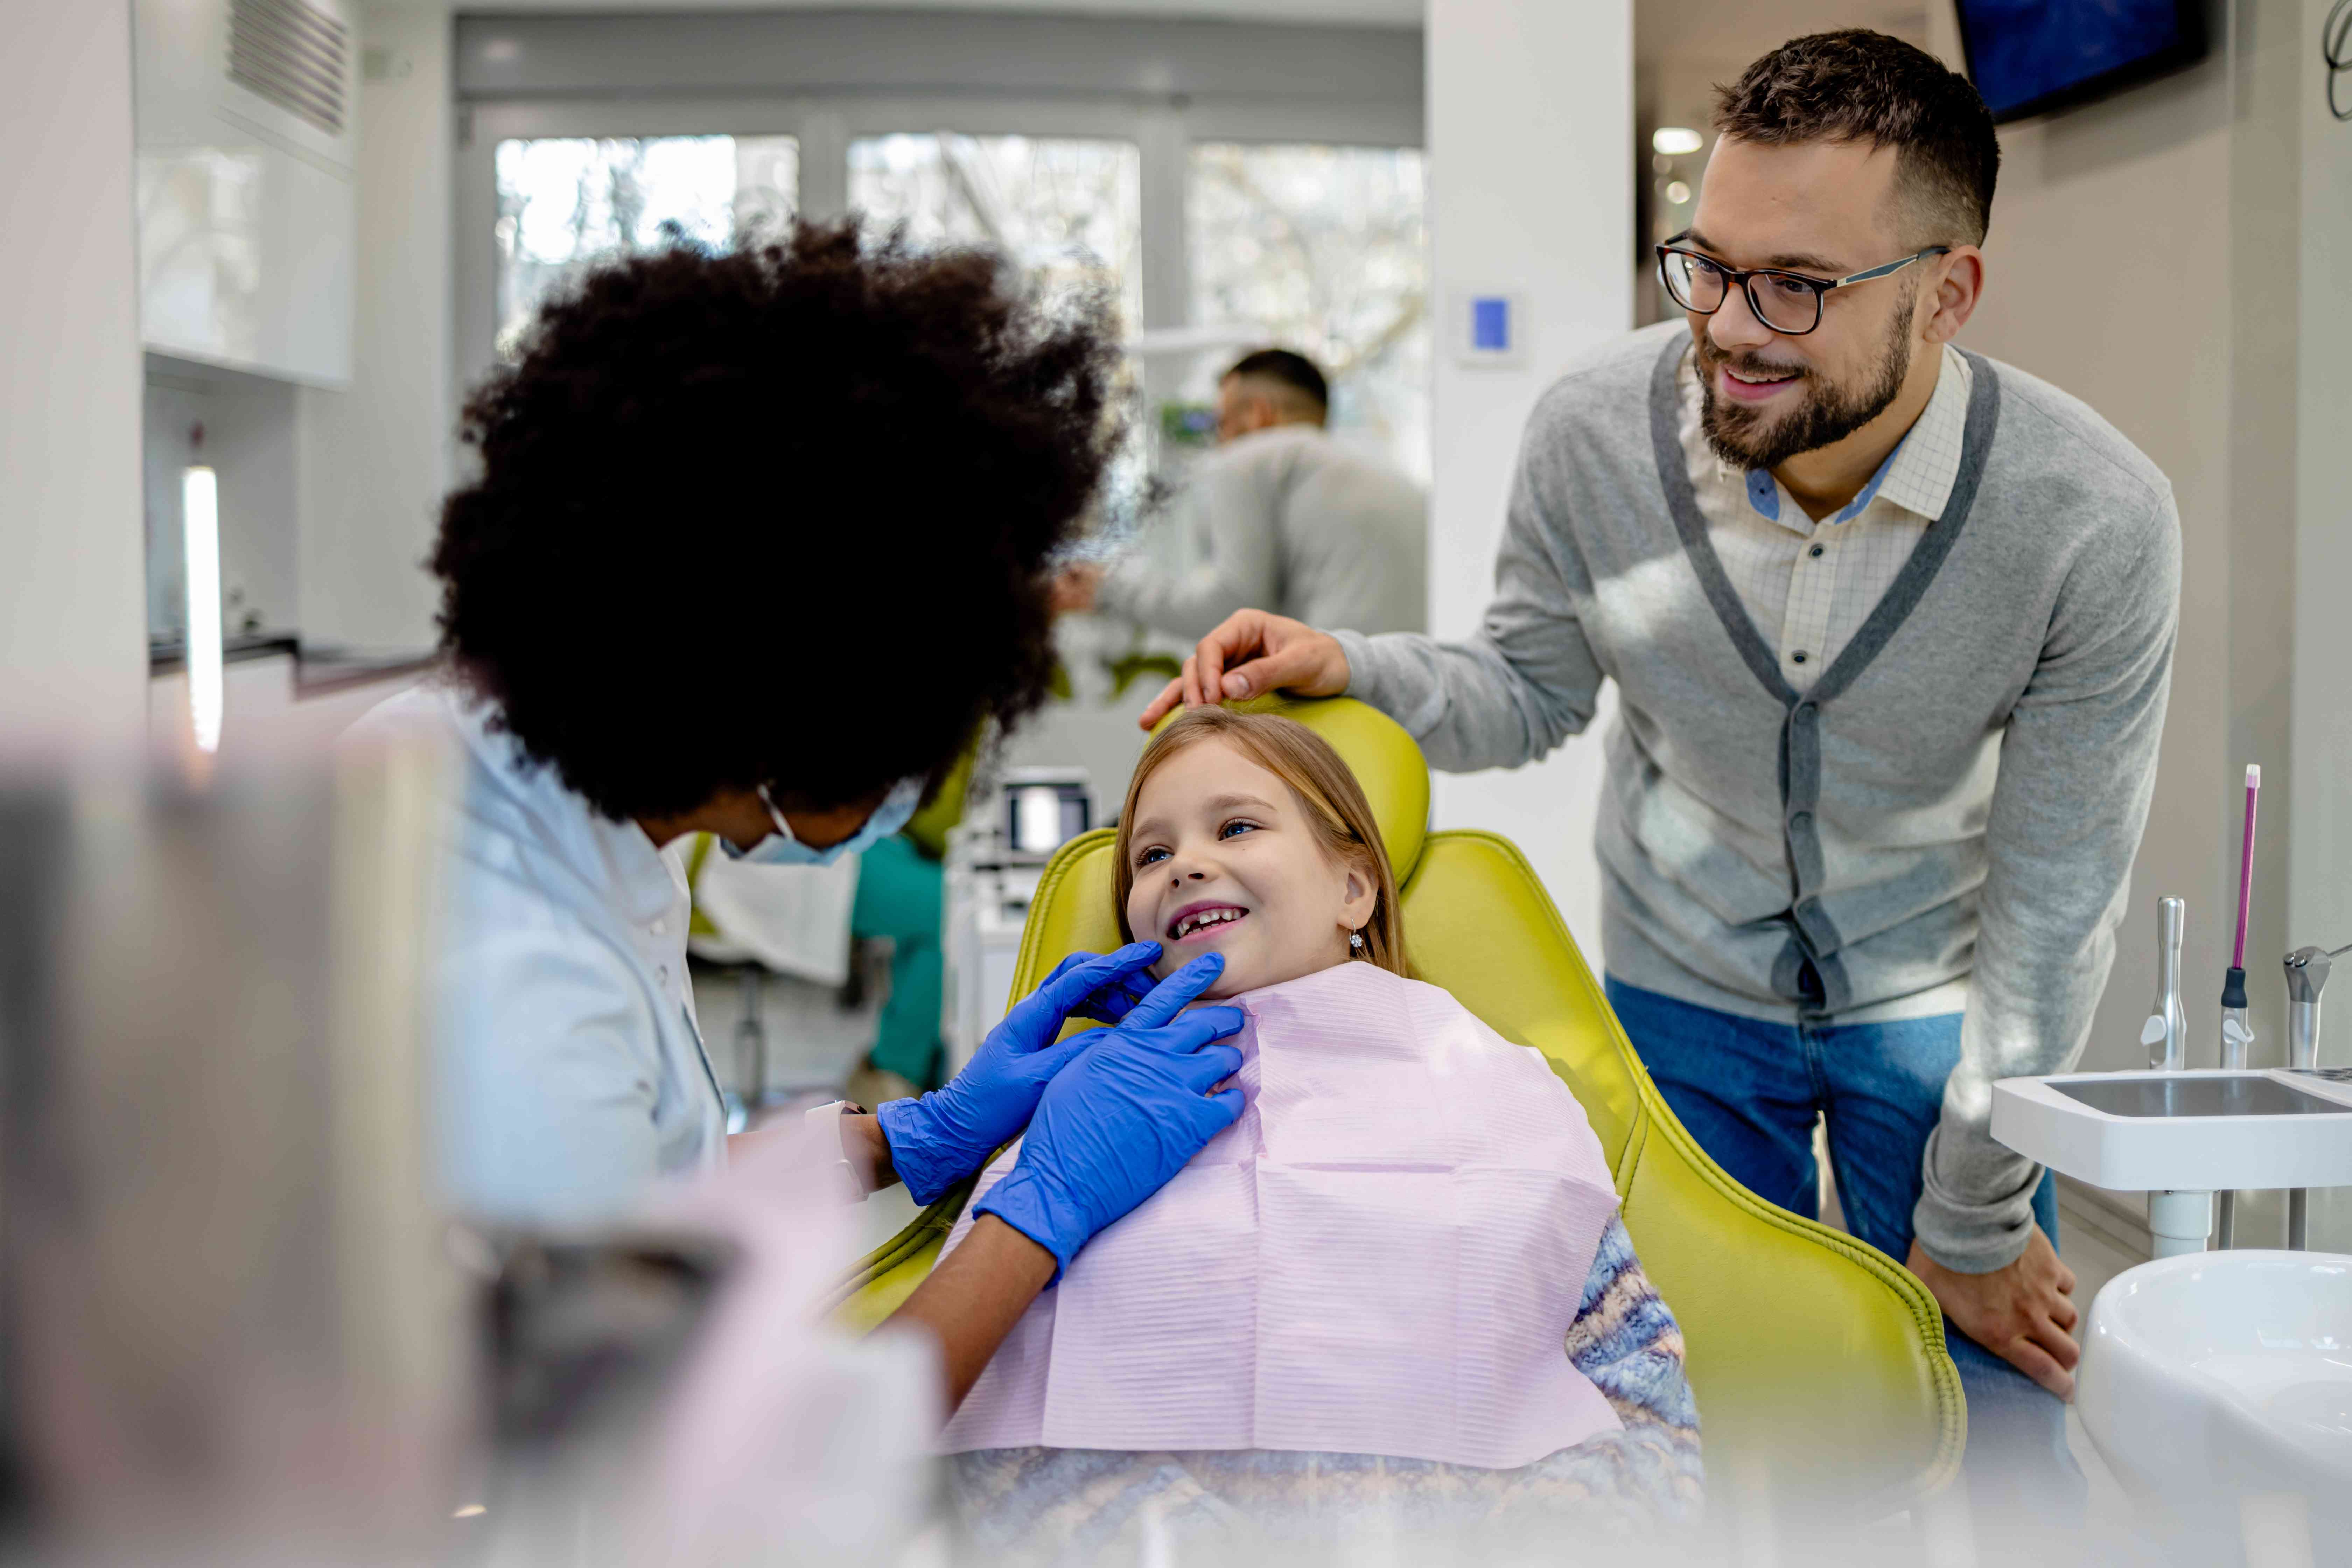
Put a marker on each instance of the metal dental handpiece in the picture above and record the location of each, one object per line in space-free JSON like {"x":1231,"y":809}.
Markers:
{"x":2306,"y":976}
{"x":2165,"y":1033}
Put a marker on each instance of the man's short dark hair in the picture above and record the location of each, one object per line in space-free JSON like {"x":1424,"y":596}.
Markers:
{"x":1861,"y":86}
{"x":1295,"y":371}
{"x":776,"y":517}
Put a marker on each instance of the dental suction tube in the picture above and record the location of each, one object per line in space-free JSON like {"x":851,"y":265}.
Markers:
{"x":2165,"y":1035}
{"x":2307,"y":977}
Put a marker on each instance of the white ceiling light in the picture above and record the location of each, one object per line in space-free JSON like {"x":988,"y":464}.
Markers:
{"x":1674,"y":141}
{"x":200,"y":531}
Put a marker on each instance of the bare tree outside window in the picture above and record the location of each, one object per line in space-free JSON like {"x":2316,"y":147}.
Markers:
{"x":567,"y":204}
{"x":1324,"y":250}
{"x":1068,"y":212}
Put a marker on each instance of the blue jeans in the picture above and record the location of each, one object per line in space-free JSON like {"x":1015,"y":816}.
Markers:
{"x":1749,"y":1091}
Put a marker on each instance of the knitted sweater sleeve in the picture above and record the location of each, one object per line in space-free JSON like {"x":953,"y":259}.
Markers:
{"x":1625,"y":1338}
{"x":2077,"y":770}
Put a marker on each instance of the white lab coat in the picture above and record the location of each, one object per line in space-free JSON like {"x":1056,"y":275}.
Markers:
{"x":571,"y":1072}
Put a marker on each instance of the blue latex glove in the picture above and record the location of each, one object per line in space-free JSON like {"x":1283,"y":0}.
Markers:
{"x":1122,"y":1119}
{"x":943,"y":1137}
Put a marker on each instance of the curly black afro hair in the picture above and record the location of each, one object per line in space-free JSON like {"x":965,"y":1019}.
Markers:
{"x":781,"y":516}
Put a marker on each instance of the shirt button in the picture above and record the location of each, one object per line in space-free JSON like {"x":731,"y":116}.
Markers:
{"x":1800,"y":823}
{"x":660,"y":927}
{"x":1805,"y":711}
{"x":663,"y":973}
{"x":1815,"y":552}
{"x":1798,"y":656}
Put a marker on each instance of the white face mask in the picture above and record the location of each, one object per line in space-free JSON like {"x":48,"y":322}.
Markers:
{"x":780,"y":848}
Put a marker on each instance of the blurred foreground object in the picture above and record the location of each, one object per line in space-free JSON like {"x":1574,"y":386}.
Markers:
{"x":231,"y":1323}
{"x":236,"y":1320}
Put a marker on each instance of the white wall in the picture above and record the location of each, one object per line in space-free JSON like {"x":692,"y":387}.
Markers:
{"x":377,"y":458}
{"x":2157,"y":366}
{"x":2224,"y":361}
{"x":250,"y":439}
{"x":2319,"y":881}
{"x":1530,"y":181}
{"x":2319,"y":874}
{"x":2220,"y":348}
{"x":73,"y":651}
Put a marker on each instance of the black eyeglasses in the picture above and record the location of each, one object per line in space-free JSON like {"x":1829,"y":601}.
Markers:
{"x":1788,"y":302}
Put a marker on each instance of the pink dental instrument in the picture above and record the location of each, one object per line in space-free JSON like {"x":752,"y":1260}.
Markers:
{"x":2236,"y":1032}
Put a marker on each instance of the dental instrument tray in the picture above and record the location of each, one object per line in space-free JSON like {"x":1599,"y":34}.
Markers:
{"x":2203,"y":1130}
{"x":2226,"y":1094}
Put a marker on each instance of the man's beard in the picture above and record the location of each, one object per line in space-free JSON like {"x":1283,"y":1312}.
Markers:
{"x":1740,"y":435}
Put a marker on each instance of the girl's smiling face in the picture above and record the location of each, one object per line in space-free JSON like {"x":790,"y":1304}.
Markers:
{"x":1225,"y":860}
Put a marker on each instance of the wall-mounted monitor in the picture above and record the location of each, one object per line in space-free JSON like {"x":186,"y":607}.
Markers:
{"x":2027,"y":56}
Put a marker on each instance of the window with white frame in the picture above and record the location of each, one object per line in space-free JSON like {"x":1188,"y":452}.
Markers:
{"x":1068,"y":211}
{"x":1315,"y":246}
{"x":568,"y":203}
{"x":1323,"y":250}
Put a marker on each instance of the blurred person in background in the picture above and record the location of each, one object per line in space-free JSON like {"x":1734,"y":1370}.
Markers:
{"x":1282,"y":515}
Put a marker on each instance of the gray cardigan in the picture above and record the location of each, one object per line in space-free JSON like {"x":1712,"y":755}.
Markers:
{"x":1958,"y":799}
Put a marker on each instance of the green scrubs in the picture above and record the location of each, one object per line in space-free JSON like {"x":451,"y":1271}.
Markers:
{"x":900,"y":895}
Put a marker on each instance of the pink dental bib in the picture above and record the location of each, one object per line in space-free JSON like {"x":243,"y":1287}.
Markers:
{"x":1381,"y":1257}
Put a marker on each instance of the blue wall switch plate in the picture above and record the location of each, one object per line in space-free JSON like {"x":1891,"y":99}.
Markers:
{"x":1490,"y":323}
{"x":1488,"y":327}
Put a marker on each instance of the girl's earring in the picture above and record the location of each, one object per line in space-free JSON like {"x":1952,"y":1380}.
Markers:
{"x":1356,"y":945}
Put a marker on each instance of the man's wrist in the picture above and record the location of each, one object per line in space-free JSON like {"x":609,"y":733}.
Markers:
{"x":1976,"y":1238}
{"x":1354,"y":656}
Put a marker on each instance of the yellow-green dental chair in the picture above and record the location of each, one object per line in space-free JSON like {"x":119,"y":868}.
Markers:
{"x":1823,"y":1387}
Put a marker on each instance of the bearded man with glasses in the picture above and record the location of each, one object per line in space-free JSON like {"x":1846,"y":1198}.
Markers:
{"x":1892,"y":627}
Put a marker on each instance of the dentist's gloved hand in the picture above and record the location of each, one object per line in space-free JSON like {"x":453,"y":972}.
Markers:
{"x":943,"y":1137}
{"x":1123,"y":1119}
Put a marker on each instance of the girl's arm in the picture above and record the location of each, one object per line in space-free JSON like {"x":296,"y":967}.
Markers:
{"x":1626,"y":1340}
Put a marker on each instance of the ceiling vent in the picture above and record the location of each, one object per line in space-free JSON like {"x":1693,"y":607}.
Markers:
{"x":293,"y":55}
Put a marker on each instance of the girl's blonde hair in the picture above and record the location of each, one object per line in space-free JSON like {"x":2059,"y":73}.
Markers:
{"x":1333,"y":800}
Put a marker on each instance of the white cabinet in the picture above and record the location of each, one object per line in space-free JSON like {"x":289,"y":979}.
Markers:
{"x":246,"y":209}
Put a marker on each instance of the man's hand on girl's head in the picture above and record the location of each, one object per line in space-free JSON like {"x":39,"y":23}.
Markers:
{"x":1251,"y":652}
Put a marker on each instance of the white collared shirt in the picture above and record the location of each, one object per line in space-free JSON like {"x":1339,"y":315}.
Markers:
{"x":571,"y":1070}
{"x":1810,"y":585}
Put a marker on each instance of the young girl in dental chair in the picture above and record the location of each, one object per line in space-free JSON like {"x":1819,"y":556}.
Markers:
{"x":1394,"y":1296}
